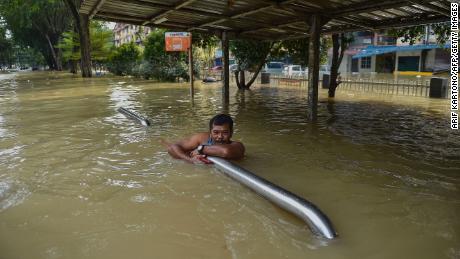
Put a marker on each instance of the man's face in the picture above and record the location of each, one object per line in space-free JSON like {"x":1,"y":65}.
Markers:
{"x":221,"y":134}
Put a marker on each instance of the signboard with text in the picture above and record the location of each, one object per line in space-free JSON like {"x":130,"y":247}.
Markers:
{"x":177,"y":41}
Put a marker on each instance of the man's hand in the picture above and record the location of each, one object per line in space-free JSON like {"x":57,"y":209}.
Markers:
{"x":198,"y":158}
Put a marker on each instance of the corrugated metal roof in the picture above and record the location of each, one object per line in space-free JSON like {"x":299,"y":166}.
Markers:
{"x":269,"y":19}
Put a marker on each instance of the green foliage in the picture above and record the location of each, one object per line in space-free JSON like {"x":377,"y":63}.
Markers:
{"x":6,"y":47}
{"x":203,"y":40}
{"x":409,"y":34}
{"x":249,"y":54}
{"x":101,"y":43}
{"x":162,"y":65}
{"x":325,"y":45}
{"x":36,"y":23}
{"x":442,"y":32}
{"x":124,"y":59}
{"x":204,"y":49}
{"x":296,"y":50}
{"x":416,"y":33}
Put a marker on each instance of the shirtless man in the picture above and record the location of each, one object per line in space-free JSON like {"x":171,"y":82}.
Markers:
{"x":217,"y":142}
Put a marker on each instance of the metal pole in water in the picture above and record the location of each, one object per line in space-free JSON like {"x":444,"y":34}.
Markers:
{"x":134,"y":116}
{"x":316,"y":220}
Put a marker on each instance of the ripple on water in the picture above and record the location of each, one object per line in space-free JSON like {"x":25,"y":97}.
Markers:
{"x":12,"y":194}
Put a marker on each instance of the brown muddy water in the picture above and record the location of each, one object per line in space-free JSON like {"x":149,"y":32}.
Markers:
{"x":79,"y":180}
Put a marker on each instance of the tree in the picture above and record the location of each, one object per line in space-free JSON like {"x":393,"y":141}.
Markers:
{"x":416,"y":33}
{"x":124,"y":59}
{"x":340,"y":43}
{"x":250,"y":55}
{"x":6,"y":47}
{"x":296,"y":50}
{"x":82,"y":26}
{"x":204,"y":48}
{"x":38,"y":24}
{"x":101,"y":44}
{"x":162,"y":65}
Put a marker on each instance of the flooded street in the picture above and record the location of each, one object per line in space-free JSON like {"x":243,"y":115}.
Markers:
{"x":80,"y":180}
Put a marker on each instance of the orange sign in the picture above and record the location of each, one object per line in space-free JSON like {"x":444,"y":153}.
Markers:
{"x":177,"y":41}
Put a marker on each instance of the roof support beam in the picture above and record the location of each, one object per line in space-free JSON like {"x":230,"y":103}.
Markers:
{"x":245,"y":13}
{"x":95,"y":9}
{"x":273,"y":26}
{"x":169,"y":7}
{"x":355,"y":23}
{"x":368,"y":6}
{"x":392,"y":23}
{"x":138,"y":20}
{"x":432,"y":7}
{"x":166,"y":12}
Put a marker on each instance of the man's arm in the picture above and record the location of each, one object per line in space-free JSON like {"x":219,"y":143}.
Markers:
{"x":234,"y":150}
{"x":181,"y":149}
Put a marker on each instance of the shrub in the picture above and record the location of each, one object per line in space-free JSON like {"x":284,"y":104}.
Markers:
{"x":124,"y":59}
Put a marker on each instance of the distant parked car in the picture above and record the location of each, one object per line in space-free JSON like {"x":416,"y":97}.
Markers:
{"x":233,"y":67}
{"x":276,"y":68}
{"x":294,"y":70}
{"x":216,"y":68}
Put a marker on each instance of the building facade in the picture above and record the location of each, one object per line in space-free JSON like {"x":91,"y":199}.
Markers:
{"x":125,"y":33}
{"x":378,"y":53}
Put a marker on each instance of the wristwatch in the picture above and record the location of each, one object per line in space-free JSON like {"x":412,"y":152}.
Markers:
{"x":200,"y":149}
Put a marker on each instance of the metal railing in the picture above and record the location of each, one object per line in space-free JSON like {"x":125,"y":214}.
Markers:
{"x":417,"y":87}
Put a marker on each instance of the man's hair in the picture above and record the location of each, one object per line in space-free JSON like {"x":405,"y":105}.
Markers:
{"x":221,"y":119}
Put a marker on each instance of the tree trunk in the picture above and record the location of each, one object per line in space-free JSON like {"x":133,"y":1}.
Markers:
{"x":75,"y":49}
{"x":85,"y":46}
{"x":56,"y":60}
{"x":259,"y":67}
{"x":237,"y":79}
{"x":254,"y":76}
{"x":82,"y":23}
{"x":242,"y":79}
{"x":49,"y":60}
{"x":336,"y":61}
{"x":334,"y":65}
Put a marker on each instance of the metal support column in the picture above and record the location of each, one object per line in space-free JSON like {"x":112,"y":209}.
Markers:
{"x":226,"y":77}
{"x":313,"y":65}
{"x":190,"y":65}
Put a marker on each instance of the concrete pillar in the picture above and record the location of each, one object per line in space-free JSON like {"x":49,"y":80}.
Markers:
{"x":313,"y":65}
{"x":225,"y":64}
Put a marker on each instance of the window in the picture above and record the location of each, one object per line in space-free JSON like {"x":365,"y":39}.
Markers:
{"x":366,"y":62}
{"x":275,"y":65}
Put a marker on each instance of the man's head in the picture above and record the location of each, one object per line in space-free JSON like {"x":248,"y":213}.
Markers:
{"x":221,"y":128}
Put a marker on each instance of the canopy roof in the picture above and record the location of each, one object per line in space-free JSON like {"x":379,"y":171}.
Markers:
{"x":268,"y":19}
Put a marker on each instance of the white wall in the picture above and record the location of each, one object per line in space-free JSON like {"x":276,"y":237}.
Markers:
{"x":430,"y":59}
{"x":345,"y":66}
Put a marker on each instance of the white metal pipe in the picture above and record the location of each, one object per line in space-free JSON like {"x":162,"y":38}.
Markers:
{"x":134,"y":116}
{"x":317,"y":221}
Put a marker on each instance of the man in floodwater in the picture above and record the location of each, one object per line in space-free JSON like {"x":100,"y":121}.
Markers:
{"x":216,"y":142}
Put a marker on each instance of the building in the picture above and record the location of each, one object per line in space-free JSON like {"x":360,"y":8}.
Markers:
{"x":378,"y":53}
{"x":125,"y":33}
{"x":363,"y":40}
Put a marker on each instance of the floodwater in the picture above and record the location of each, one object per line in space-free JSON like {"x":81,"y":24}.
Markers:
{"x":79,"y":180}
